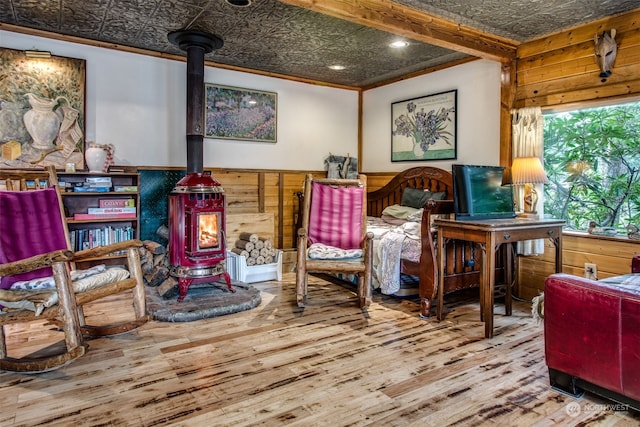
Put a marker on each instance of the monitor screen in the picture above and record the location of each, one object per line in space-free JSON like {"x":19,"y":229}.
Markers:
{"x":478,"y":193}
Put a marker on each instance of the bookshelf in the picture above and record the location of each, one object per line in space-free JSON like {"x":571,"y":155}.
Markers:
{"x":101,"y":208}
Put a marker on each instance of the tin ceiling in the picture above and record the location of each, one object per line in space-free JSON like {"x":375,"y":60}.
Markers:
{"x":301,"y":38}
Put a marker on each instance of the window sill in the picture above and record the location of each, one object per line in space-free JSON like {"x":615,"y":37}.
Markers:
{"x":584,"y":234}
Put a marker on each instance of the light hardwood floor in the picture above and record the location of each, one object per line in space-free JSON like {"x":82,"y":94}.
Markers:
{"x":330,"y":364}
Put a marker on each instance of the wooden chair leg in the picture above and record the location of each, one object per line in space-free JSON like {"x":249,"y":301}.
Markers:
{"x":139,"y":300}
{"x":3,"y":345}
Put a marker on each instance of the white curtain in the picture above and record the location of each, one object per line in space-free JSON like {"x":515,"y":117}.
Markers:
{"x":527,"y":128}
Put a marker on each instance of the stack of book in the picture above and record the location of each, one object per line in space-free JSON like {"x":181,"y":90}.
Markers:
{"x":110,"y":209}
{"x":101,"y":184}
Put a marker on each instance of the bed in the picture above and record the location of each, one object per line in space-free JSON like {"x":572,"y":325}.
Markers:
{"x":461,"y":260}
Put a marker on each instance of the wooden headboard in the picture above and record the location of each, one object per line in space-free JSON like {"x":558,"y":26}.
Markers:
{"x":423,"y":177}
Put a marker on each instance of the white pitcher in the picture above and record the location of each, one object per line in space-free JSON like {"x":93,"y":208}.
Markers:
{"x":42,"y":121}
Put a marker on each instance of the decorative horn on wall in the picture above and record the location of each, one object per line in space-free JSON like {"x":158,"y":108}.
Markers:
{"x":605,"y":51}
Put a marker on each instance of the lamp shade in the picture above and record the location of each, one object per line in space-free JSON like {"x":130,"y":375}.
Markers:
{"x":527,"y":170}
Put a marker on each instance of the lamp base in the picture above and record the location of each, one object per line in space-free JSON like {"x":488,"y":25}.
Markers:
{"x":528,"y":215}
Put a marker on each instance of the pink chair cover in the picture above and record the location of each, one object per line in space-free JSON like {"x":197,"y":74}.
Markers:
{"x":335,"y":217}
{"x":30,"y":224}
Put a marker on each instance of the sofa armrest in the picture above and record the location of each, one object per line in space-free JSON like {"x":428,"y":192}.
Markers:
{"x":591,"y":329}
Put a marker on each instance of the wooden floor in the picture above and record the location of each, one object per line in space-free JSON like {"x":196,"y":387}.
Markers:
{"x":330,"y":364}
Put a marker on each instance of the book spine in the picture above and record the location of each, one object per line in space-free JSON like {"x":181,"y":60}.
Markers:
{"x":110,"y":210}
{"x":123,"y":215}
{"x":116,"y":203}
{"x":91,"y":179}
{"x":91,"y":189}
{"x":125,"y":188}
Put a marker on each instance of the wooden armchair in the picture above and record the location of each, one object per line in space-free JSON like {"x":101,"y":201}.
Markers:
{"x":36,"y":269}
{"x":333,"y":237}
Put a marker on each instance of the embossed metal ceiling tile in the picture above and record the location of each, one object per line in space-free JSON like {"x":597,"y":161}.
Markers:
{"x":41,"y":16}
{"x":83,"y":19}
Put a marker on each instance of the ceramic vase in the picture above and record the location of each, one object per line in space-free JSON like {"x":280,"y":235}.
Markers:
{"x":96,"y":158}
{"x":41,"y":121}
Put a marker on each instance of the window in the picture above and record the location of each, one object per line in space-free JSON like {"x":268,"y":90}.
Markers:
{"x":592,"y":159}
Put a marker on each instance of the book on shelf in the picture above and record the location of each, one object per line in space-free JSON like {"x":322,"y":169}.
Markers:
{"x":83,"y":189}
{"x":85,"y":216}
{"x":90,"y":238}
{"x":111,"y":210}
{"x":125,"y":188}
{"x":95,"y":179}
{"x":116,"y":203}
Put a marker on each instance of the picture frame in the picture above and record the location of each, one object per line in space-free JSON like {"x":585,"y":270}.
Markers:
{"x":424,"y":128}
{"x":42,"y":119}
{"x":240,"y":114}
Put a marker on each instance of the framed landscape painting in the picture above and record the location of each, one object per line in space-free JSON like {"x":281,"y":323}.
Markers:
{"x":241,"y":114}
{"x":424,"y":128}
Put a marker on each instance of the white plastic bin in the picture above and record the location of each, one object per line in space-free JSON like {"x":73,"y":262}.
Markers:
{"x":239,"y":270}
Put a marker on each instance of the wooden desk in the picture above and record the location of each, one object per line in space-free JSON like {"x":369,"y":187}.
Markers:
{"x":489,"y":234}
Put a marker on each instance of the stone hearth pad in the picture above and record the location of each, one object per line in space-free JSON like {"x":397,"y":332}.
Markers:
{"x":203,"y":301}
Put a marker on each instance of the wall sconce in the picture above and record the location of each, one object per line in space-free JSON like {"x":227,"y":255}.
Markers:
{"x":528,"y":171}
{"x":39,"y":54}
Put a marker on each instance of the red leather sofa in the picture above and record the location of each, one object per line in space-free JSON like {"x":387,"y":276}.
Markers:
{"x":592,"y":335}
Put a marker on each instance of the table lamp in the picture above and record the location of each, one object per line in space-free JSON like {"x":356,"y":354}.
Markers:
{"x":528,"y":171}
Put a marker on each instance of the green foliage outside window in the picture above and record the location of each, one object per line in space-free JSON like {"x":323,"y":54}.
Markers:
{"x":592,"y":159}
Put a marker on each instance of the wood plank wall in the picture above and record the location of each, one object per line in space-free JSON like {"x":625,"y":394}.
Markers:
{"x":561,"y":70}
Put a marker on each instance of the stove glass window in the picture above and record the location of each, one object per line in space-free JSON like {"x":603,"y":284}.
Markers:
{"x":208,"y":230}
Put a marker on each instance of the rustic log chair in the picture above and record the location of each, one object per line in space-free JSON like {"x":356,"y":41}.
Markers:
{"x":33,"y":224}
{"x":335,"y":215}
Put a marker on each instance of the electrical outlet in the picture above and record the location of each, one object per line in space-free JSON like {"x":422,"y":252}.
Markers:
{"x":590,"y":271}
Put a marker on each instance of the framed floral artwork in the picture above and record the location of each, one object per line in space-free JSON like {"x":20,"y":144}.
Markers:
{"x":424,"y":128}
{"x":42,"y":110}
{"x":241,"y":114}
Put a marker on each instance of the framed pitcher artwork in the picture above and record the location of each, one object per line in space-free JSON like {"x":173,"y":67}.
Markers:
{"x":42,"y":114}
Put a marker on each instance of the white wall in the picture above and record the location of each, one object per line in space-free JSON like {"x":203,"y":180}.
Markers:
{"x":138,"y":103}
{"x":478,"y":116}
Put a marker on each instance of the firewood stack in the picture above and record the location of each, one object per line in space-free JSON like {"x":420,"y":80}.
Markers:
{"x":154,"y":263}
{"x":255,"y":249}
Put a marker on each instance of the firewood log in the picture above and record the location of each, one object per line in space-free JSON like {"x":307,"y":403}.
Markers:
{"x":154,"y":247}
{"x":265,"y":252}
{"x":268,"y":243}
{"x":254,"y":253}
{"x":268,"y":259}
{"x":159,"y":275}
{"x":251,"y":261}
{"x":245,"y":244}
{"x":240,"y":252}
{"x":163,"y":231}
{"x":253,"y":238}
{"x":146,"y":261}
{"x":259,"y":244}
{"x":160,"y":259}
{"x":169,"y":288}
{"x":259,"y":260}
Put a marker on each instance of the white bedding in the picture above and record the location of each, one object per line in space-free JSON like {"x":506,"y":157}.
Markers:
{"x":392,"y":243}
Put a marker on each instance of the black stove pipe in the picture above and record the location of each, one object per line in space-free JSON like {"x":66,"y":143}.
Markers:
{"x":196,"y":44}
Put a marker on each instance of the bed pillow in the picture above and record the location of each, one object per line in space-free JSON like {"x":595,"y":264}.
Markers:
{"x":417,"y":198}
{"x":399,"y":211}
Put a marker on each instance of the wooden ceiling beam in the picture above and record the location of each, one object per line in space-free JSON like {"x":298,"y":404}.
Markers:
{"x":402,"y":20}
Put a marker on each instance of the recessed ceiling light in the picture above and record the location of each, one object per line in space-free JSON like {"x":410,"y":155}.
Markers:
{"x":399,"y":43}
{"x":239,"y":3}
{"x":337,"y":67}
